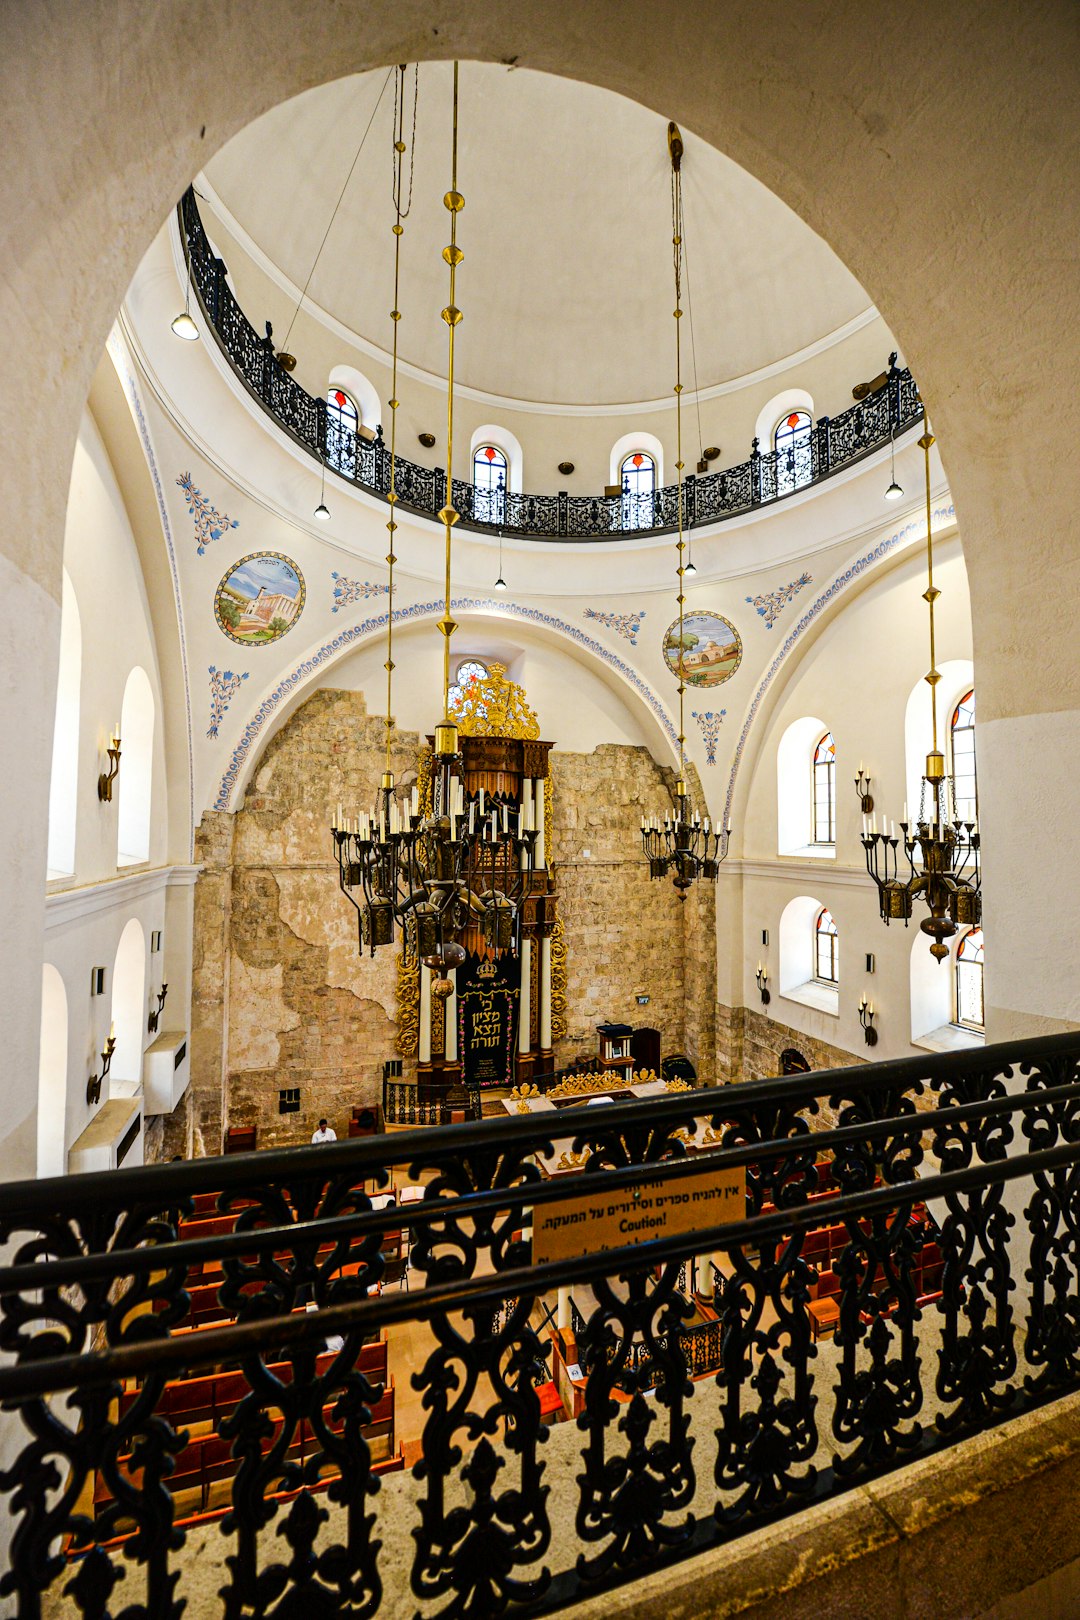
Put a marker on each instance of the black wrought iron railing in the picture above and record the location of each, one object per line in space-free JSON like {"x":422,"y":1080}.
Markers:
{"x":254,"y":1291}
{"x":832,"y":444}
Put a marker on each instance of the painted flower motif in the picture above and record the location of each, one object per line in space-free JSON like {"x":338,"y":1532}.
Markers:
{"x":210,"y":524}
{"x":623,"y":624}
{"x":224,"y":685}
{"x":348,"y":591}
{"x":771,"y":605}
{"x":710,"y":721}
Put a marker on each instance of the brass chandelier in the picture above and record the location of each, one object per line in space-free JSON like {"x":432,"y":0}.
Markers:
{"x":686,"y":845}
{"x":948,"y":877}
{"x":432,"y":874}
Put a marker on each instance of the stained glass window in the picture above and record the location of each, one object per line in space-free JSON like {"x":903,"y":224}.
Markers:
{"x":969,"y":981}
{"x":489,"y":484}
{"x":469,"y":672}
{"x":342,"y":421}
{"x":824,"y":806}
{"x":794,"y":455}
{"x":638,"y":477}
{"x":962,"y":733}
{"x":826,"y":960}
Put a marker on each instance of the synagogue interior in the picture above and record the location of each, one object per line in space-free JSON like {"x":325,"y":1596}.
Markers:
{"x":543,"y":741}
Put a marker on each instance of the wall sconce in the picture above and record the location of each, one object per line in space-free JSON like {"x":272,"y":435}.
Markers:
{"x":866,"y":1019}
{"x":93,"y":1085}
{"x":862,"y":788}
{"x":107,"y":778}
{"x":155,"y":1015}
{"x":763,"y":984}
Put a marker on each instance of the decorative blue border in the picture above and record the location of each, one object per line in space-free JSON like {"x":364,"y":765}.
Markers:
{"x":423,"y":610}
{"x":118,"y":355}
{"x":840,"y":583}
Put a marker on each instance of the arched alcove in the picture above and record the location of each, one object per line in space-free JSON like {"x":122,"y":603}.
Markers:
{"x":362,"y":392}
{"x":957,"y":677}
{"x":648,"y":443}
{"x":933,"y":998}
{"x":129,"y":1002}
{"x":509,"y":444}
{"x":795,"y":790}
{"x":135,"y":784}
{"x":798,"y":979}
{"x":774,"y":411}
{"x":64,"y":782}
{"x":52,"y":1074}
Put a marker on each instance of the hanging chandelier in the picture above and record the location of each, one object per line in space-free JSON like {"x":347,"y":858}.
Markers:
{"x":948,"y":877}
{"x":686,"y":845}
{"x":432,"y":874}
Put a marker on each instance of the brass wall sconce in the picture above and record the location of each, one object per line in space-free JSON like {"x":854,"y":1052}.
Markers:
{"x":93,"y":1085}
{"x":155,"y":1015}
{"x":866,"y":1019}
{"x":107,"y":778}
{"x":566,"y":468}
{"x":427,"y":440}
{"x":763,"y":984}
{"x":862,"y":788}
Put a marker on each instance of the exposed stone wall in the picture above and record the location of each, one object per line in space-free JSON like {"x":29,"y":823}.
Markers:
{"x":625,"y":933}
{"x":281,"y":995}
{"x":749,"y":1044}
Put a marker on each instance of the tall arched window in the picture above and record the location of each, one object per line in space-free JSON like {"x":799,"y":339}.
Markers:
{"x":64,"y":783}
{"x":962,"y":739}
{"x":129,"y":1002}
{"x":342,"y":421}
{"x":469,"y":672}
{"x":136,"y":778}
{"x":826,"y":957}
{"x":823,"y":830}
{"x":794,"y":456}
{"x":489,"y":484}
{"x":969,"y":981}
{"x":637,"y":474}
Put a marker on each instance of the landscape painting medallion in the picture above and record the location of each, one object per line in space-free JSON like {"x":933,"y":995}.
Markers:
{"x":260,"y":598}
{"x":712,"y":649}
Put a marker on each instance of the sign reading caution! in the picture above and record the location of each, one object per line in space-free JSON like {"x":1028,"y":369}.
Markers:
{"x":667,"y":1207}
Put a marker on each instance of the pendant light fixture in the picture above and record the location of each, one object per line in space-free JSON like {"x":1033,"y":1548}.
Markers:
{"x":894,"y":492}
{"x":500,"y":583}
{"x":686,"y":845}
{"x":322,"y":511}
{"x":182,"y":325}
{"x":464,"y":865}
{"x":948,"y":877}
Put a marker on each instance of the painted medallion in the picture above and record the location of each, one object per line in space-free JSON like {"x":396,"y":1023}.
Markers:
{"x":712,"y":649}
{"x":260,"y":598}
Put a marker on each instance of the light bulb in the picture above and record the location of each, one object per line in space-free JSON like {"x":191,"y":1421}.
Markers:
{"x":894,"y":492}
{"x":184,"y":327}
{"x":322,"y":512}
{"x":690,"y":568}
{"x":500,"y":584}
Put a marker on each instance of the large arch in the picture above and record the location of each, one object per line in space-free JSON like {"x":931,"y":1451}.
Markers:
{"x":978,"y":134}
{"x":52,"y":1075}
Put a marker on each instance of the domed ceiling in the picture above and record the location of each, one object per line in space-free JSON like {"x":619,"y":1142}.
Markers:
{"x":566,"y":284}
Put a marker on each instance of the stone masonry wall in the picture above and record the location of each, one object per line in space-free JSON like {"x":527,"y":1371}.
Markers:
{"x":281,"y":994}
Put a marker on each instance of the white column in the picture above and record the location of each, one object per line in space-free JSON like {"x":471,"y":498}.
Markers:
{"x":562,"y":1318}
{"x":526,"y":816}
{"x":425,"y":1014}
{"x":703,"y":1279}
{"x":545,"y":992}
{"x":525,"y":997}
{"x":451,"y":1018}
{"x":538,"y":806}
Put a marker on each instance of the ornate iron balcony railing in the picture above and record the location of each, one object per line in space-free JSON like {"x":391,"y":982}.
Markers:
{"x":767,"y":476}
{"x":116,"y":1285}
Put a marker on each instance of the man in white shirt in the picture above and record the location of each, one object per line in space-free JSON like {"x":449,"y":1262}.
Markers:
{"x":325,"y":1133}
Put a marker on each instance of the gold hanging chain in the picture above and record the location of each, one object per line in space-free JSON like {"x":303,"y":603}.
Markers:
{"x":454,"y":202}
{"x":935,"y":763}
{"x":395,"y":316}
{"x":675,"y":148}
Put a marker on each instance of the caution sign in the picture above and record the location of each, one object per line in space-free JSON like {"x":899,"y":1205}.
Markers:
{"x":667,"y":1207}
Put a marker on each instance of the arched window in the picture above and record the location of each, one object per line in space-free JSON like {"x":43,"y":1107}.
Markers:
{"x":826,"y":959}
{"x":469,"y":671}
{"x":823,"y":830}
{"x":490,"y":474}
{"x":52,"y":1075}
{"x":63,"y":785}
{"x":129,"y":1003}
{"x":794,"y":456}
{"x":135,"y":782}
{"x":342,"y":421}
{"x":969,"y":981}
{"x":962,"y":738}
{"x":637,"y":474}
